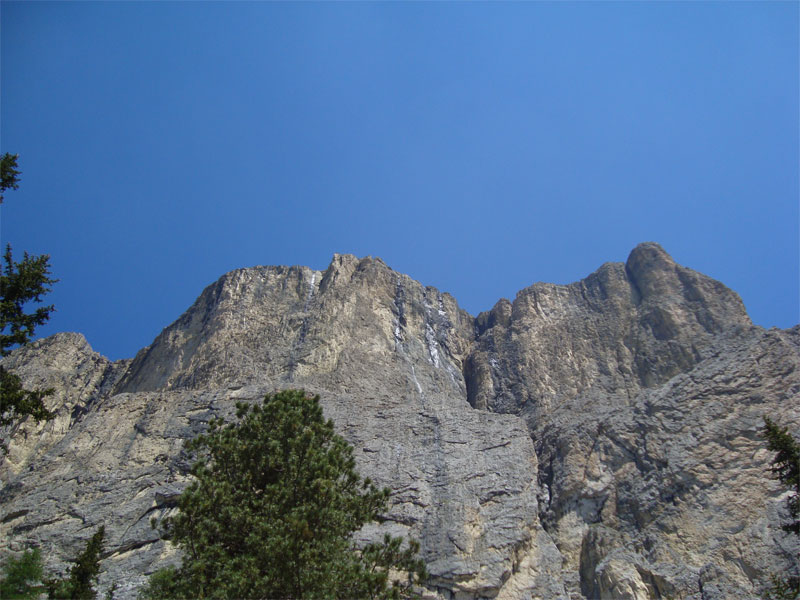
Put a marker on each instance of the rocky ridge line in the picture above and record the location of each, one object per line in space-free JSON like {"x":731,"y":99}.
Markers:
{"x":599,"y":439}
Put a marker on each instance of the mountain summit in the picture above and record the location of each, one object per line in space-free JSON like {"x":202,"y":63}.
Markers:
{"x":600,"y":439}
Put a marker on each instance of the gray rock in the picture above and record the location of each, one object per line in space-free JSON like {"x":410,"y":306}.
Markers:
{"x":600,"y":439}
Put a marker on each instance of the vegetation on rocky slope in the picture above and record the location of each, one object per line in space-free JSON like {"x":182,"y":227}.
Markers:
{"x":24,"y":576}
{"x":786,"y":467}
{"x":271,"y":510}
{"x":20,"y":284}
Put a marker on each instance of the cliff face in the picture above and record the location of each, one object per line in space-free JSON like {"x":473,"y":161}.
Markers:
{"x":600,"y":439}
{"x":623,"y":329}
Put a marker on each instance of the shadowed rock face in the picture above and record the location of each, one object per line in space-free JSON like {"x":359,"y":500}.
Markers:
{"x":600,"y":439}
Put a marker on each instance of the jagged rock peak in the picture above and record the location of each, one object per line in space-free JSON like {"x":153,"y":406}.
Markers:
{"x":270,"y":323}
{"x":66,"y":363}
{"x":623,"y":328}
{"x":658,"y":279}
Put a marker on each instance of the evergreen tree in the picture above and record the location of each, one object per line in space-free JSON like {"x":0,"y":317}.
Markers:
{"x":83,"y":574}
{"x":22,"y":577}
{"x":786,"y":467}
{"x":271,"y":513}
{"x":20,"y":284}
{"x":9,"y":173}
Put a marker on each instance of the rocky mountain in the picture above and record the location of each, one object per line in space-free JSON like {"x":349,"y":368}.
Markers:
{"x":596,"y":440}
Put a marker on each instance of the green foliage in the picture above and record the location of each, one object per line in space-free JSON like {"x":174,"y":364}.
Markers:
{"x":165,"y":583}
{"x":786,"y":467}
{"x":22,"y":577}
{"x":9,"y":174}
{"x":111,"y":591}
{"x":16,"y":402}
{"x":787,"y":588}
{"x":83,"y":574}
{"x":271,"y":513}
{"x":20,"y":284}
{"x":379,"y":560}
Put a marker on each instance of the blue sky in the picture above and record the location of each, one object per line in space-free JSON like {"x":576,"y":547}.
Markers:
{"x":478,"y":147}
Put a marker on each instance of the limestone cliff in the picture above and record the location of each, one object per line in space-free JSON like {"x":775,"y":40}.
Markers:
{"x":600,"y":439}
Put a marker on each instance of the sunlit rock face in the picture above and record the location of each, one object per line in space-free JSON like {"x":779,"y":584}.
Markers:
{"x":595,"y":440}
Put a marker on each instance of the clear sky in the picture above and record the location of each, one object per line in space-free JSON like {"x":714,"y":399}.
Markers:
{"x":477,"y":147}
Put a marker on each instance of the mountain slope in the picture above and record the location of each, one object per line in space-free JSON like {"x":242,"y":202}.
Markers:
{"x":600,"y":439}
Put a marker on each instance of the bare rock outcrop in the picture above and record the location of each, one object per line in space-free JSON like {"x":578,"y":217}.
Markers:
{"x":622,"y":329}
{"x":596,"y":440}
